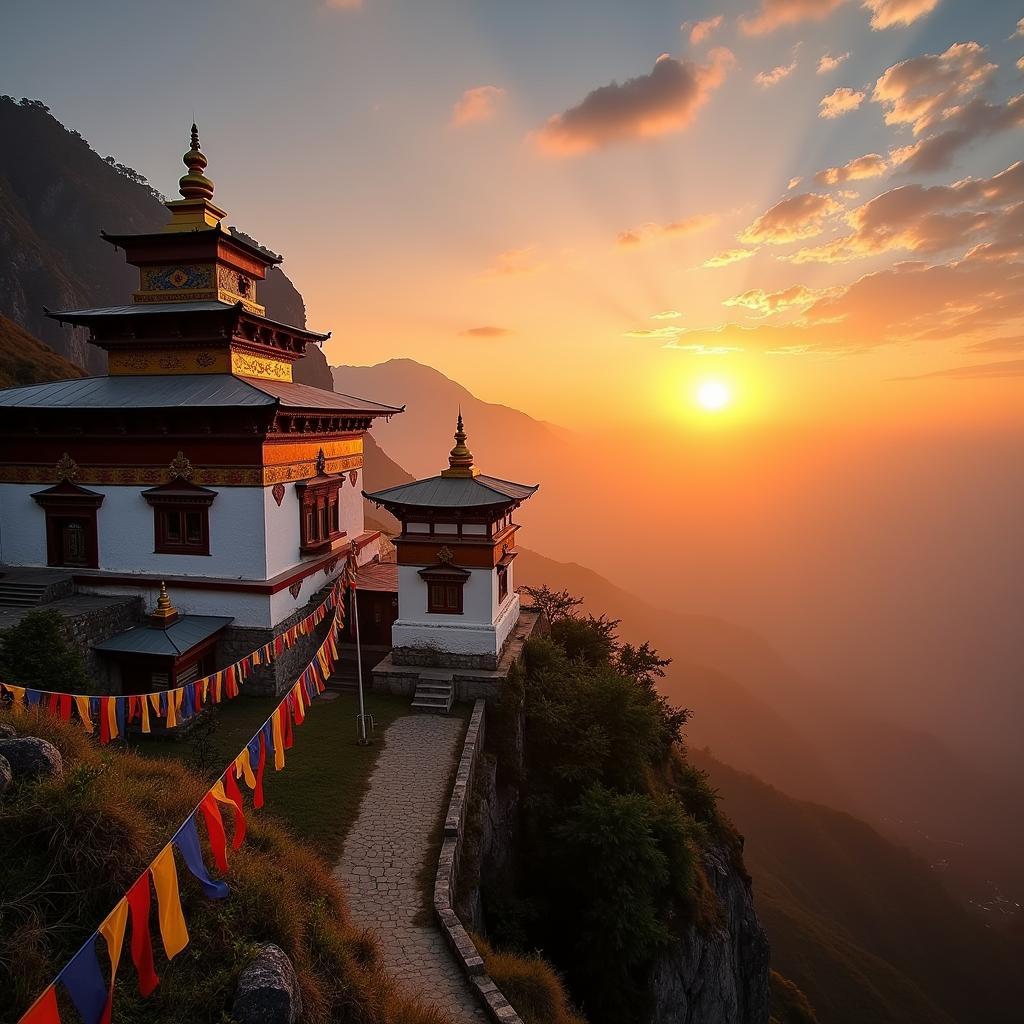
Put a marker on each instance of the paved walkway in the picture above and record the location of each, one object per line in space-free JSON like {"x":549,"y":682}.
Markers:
{"x":384,"y":853}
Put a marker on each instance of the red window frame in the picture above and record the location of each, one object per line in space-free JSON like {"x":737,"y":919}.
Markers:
{"x":444,"y":597}
{"x":181,"y":529}
{"x":319,"y":514}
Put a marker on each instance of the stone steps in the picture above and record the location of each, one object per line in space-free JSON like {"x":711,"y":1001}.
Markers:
{"x":435,"y":691}
{"x":14,"y":594}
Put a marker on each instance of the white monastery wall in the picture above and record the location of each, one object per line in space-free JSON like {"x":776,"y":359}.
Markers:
{"x":283,"y":531}
{"x":22,"y":525}
{"x":350,"y":508}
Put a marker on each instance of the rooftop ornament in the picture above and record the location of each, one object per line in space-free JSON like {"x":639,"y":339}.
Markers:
{"x":460,"y":458}
{"x":195,"y":184}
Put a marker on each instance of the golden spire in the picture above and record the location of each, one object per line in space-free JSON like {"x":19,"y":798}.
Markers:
{"x":460,"y":458}
{"x":195,"y":184}
{"x":165,"y":613}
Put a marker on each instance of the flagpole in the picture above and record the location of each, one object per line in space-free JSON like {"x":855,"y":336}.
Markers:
{"x":359,"y":651}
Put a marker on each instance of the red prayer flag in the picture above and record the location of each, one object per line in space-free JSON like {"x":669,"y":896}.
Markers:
{"x":104,"y":720}
{"x":234,"y":794}
{"x":142,"y":945}
{"x":286,"y":722}
{"x":65,"y":707}
{"x":43,"y":1010}
{"x":215,"y":828}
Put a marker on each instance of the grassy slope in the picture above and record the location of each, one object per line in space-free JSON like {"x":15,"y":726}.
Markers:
{"x":26,"y":360}
{"x":326,"y":774}
{"x":859,"y":924}
{"x":71,"y":847}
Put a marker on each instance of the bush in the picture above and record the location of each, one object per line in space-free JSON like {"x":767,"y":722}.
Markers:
{"x":530,"y":984}
{"x":34,"y":653}
{"x":91,"y":833}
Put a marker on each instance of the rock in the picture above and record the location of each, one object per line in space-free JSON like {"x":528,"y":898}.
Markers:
{"x":6,"y":775}
{"x":32,"y":758}
{"x":268,"y":990}
{"x":7,"y":731}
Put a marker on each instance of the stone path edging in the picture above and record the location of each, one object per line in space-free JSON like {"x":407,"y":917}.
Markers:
{"x":498,"y":1008}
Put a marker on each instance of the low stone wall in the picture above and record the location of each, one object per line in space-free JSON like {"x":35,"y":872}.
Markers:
{"x":446,"y":879}
{"x":84,"y":626}
{"x":274,"y":679}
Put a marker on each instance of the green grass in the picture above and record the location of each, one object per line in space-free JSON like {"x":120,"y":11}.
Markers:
{"x":317,"y":793}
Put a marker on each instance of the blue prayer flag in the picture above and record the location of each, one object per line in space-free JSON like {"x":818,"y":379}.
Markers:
{"x":84,"y":982}
{"x":187,"y":842}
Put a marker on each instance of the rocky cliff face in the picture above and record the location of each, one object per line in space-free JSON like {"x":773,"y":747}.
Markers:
{"x":56,"y":195}
{"x":718,"y":975}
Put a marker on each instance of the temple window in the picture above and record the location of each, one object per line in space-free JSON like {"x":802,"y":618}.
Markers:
{"x":320,"y":515}
{"x":181,"y":517}
{"x":502,"y":583}
{"x":71,"y":534}
{"x":444,"y":598}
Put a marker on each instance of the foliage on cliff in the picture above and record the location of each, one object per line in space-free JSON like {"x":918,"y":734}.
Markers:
{"x":26,"y":360}
{"x":72,"y":846}
{"x":615,"y":818}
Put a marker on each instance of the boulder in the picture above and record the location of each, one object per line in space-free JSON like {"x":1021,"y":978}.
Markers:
{"x":6,"y":775}
{"x":32,"y":758}
{"x":7,"y":731}
{"x":268,"y":990}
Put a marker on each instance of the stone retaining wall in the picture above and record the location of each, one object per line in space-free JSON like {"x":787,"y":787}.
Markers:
{"x":446,"y":880}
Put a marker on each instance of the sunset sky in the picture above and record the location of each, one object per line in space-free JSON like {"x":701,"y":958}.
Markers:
{"x":586,"y":209}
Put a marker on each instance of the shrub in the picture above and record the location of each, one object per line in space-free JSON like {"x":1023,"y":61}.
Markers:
{"x":34,"y":653}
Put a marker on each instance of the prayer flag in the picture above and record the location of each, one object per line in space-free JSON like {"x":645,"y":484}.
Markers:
{"x":243,"y":768}
{"x":142,"y":944}
{"x":215,"y":828}
{"x":43,"y":1010}
{"x":172,"y":922}
{"x":234,"y":795}
{"x":187,"y":842}
{"x":257,"y":798}
{"x":278,"y":739}
{"x":84,"y":983}
{"x":82,"y":704}
{"x":112,"y":930}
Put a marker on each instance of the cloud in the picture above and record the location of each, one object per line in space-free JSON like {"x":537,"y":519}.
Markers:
{"x":344,"y":5}
{"x":476,"y":105}
{"x":652,"y":232}
{"x":840,"y":101}
{"x":487,"y":331}
{"x":791,"y":219}
{"x":653,"y":332}
{"x":702,"y":350}
{"x":893,"y":13}
{"x":700,"y":30}
{"x":929,"y":220}
{"x":871,"y":165}
{"x":793,"y":182}
{"x":513,"y":262}
{"x":1015,"y":344}
{"x":665,"y":100}
{"x":773,"y":14}
{"x":917,"y":91}
{"x":962,"y":126}
{"x":1019,"y":30}
{"x":766,"y":79}
{"x":762,"y":303}
{"x":727,"y":256}
{"x":829,"y":62}
{"x":979,"y":371}
{"x":667,"y":314}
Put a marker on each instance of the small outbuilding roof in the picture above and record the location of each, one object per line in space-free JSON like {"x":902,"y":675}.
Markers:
{"x":177,"y":639}
{"x":479,"y":491}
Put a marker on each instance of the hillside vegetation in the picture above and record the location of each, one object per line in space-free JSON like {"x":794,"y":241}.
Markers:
{"x":26,"y":360}
{"x":93,"y":831}
{"x":859,"y":924}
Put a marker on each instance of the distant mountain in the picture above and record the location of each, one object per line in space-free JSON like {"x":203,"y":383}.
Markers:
{"x":508,"y":441}
{"x":380,"y":471}
{"x":56,"y":195}
{"x":26,"y":360}
{"x":859,"y":924}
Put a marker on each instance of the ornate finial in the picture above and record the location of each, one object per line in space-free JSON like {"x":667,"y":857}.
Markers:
{"x":67,"y":468}
{"x":195,"y":184}
{"x":321,"y":463}
{"x":460,"y":458}
{"x":180,"y":467}
{"x":165,"y":614}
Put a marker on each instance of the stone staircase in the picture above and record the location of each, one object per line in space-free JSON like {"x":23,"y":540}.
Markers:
{"x":344,"y":679}
{"x":435,"y":692}
{"x":26,"y":590}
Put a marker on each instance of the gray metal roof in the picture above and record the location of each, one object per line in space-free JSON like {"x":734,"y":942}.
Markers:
{"x":179,"y":638}
{"x":453,"y":492}
{"x":182,"y":390}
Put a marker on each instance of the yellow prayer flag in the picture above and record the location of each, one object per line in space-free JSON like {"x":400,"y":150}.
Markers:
{"x":278,"y":742}
{"x":112,"y":930}
{"x":82,"y":703}
{"x":243,"y":767}
{"x":172,"y":717}
{"x":144,"y":705}
{"x":172,"y":922}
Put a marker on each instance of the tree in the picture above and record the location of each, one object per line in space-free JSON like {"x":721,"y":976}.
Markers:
{"x":34,"y":653}
{"x":555,"y":604}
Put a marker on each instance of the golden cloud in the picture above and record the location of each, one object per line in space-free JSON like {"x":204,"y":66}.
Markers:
{"x":919,"y":90}
{"x":792,"y":219}
{"x":830,"y":62}
{"x":892,"y":13}
{"x":871,"y":165}
{"x":773,"y":14}
{"x":665,"y":100}
{"x":486,"y":331}
{"x":727,"y":256}
{"x":513,"y":262}
{"x":699,"y":31}
{"x":840,"y":101}
{"x":766,"y":79}
{"x":652,"y":231}
{"x":477,"y":104}
{"x":762,"y":303}
{"x":667,"y":314}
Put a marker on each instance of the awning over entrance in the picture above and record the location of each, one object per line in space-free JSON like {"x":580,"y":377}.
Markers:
{"x":173,"y":641}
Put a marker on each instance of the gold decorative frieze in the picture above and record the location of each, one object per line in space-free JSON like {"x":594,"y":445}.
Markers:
{"x":168,"y":361}
{"x":280,"y":452}
{"x":243,"y":365}
{"x":234,"y":286}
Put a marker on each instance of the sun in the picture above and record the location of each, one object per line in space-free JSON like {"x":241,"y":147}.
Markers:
{"x":713,"y":395}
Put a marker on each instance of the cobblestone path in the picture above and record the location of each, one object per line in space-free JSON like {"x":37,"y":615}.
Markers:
{"x":387,"y":847}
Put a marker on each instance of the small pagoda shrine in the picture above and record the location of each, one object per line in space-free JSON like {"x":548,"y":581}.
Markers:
{"x":457,"y":605}
{"x":197,"y":461}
